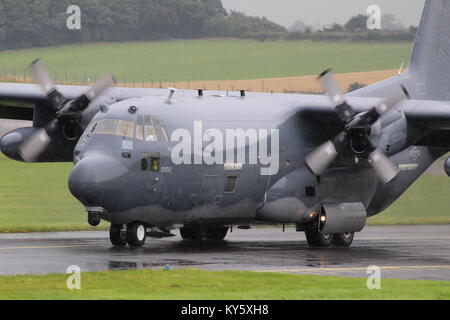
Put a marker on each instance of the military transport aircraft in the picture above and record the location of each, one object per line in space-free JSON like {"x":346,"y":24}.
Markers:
{"x":150,"y":161}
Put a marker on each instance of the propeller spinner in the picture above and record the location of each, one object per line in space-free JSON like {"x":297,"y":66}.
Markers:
{"x":356,"y":132}
{"x":67,"y":112}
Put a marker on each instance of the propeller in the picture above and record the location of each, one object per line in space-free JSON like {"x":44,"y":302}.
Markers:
{"x":357,"y":128}
{"x":68,"y":113}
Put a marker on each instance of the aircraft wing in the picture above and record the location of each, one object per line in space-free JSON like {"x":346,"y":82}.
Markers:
{"x":18,"y":100}
{"x":433,"y":118}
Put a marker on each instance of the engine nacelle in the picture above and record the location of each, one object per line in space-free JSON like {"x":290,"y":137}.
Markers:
{"x":447,"y":166}
{"x":60,"y":150}
{"x":342,"y":217}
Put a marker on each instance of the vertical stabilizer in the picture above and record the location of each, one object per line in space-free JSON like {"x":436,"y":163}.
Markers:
{"x":428,"y":75}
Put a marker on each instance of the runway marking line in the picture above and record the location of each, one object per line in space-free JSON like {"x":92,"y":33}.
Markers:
{"x":48,"y":247}
{"x":386,"y":268}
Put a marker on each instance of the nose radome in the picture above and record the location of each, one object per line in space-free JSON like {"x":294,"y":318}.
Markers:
{"x":92,"y":180}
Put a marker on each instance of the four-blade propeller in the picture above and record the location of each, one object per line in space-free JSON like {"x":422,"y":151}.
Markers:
{"x":356,"y":132}
{"x":67,"y":112}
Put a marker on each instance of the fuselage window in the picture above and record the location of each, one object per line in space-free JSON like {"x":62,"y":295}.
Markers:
{"x":125,"y":129}
{"x":139,"y":132}
{"x":107,"y":126}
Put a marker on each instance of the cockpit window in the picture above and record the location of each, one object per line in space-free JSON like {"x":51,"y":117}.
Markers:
{"x":125,"y":129}
{"x":149,"y":128}
{"x":161,"y":134}
{"x":139,"y":132}
{"x":108,"y":126}
{"x":150,"y":134}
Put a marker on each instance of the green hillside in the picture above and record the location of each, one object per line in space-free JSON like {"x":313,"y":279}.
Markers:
{"x":211,"y":59}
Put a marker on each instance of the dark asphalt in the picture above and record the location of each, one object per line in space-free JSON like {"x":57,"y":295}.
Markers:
{"x":406,"y":252}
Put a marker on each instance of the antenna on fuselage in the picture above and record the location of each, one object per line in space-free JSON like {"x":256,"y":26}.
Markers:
{"x":172,"y":92}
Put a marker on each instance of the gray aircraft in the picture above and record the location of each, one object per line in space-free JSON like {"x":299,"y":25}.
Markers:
{"x":150,"y":161}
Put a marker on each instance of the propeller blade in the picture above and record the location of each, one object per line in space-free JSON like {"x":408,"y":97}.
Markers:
{"x":100,"y":86}
{"x":82,"y":102}
{"x":384,"y":168}
{"x":33,"y":147}
{"x":43,"y":78}
{"x":399,"y":94}
{"x":332,"y":89}
{"x":322,"y":157}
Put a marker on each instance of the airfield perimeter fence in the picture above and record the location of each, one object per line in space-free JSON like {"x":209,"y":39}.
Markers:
{"x":301,"y":84}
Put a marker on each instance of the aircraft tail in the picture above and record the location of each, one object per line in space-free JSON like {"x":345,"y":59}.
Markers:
{"x":428,"y":76}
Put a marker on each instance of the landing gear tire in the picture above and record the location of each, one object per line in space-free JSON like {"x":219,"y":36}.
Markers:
{"x":315,"y":237}
{"x":136,"y":234}
{"x":343,"y":239}
{"x":118,"y":235}
{"x":203,"y":233}
{"x":215,"y":233}
{"x":190,"y":234}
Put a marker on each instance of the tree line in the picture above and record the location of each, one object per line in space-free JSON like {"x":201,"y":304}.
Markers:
{"x":32,"y":23}
{"x":36,"y":23}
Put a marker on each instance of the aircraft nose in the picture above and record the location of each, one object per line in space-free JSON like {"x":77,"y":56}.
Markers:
{"x":94,"y":180}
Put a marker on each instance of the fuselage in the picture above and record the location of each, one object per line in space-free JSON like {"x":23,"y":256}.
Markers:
{"x":220,"y":160}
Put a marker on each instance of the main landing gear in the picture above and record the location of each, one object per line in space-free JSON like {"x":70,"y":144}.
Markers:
{"x":317,"y":239}
{"x":134,"y":234}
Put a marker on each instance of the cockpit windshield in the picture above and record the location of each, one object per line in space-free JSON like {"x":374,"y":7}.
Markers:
{"x":147,"y":128}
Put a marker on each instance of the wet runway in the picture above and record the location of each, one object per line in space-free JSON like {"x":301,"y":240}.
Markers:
{"x":405,"y":252}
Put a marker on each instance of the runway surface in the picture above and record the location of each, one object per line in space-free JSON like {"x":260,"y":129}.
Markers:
{"x":405,"y":252}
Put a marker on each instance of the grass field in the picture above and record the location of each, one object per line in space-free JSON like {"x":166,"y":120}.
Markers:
{"x":203,"y":285}
{"x":210,"y":59}
{"x":35,"y":197}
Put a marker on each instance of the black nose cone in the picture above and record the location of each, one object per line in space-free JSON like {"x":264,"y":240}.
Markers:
{"x":95,"y":180}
